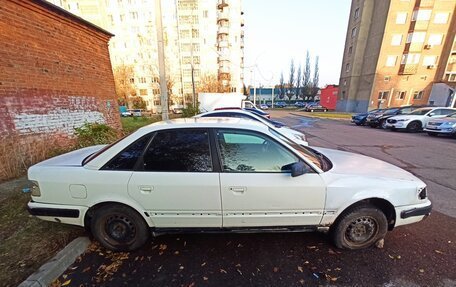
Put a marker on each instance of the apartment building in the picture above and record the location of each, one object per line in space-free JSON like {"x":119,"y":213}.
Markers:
{"x":395,"y":52}
{"x":202,"y":38}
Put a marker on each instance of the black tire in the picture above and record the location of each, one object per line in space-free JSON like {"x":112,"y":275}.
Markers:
{"x":358,"y":124}
{"x":432,"y":134}
{"x":414,"y":127}
{"x":351,"y":228}
{"x":119,"y":228}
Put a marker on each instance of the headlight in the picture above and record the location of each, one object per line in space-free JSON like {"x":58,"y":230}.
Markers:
{"x":451,"y":124}
{"x":422,"y":193}
{"x":35,"y":188}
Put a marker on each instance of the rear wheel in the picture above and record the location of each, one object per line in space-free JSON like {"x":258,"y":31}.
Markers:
{"x":119,"y":228}
{"x":414,"y":127}
{"x":360,"y":228}
{"x":432,"y":134}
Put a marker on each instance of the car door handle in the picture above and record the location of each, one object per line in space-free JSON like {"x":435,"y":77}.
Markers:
{"x":237,"y":189}
{"x":146,"y":188}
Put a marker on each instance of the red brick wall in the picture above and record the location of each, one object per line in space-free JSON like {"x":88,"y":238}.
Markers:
{"x":55,"y":72}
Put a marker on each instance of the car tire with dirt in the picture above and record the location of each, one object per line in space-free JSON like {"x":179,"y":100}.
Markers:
{"x":359,"y":227}
{"x":119,"y":227}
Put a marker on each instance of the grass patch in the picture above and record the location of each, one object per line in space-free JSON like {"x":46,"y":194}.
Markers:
{"x":131,"y":124}
{"x":26,"y":242}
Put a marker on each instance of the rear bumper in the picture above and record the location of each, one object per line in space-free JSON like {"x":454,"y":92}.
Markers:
{"x":70,"y":214}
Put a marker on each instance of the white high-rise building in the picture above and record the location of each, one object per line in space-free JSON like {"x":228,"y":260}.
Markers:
{"x":205,"y":36}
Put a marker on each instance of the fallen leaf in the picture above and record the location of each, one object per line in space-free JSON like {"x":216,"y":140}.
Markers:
{"x":421,"y":270}
{"x":176,"y":253}
{"x":181,"y":267}
{"x":66,"y":282}
{"x":223,"y":271}
{"x":204,"y":264}
{"x":334,"y":279}
{"x":86,"y":269}
{"x":238,"y":265}
{"x":392,"y":257}
{"x":205,"y":278}
{"x":300,"y":269}
{"x":275,"y":269}
{"x":330,"y":251}
{"x":239,"y":271}
{"x":301,"y":281}
{"x":240,"y":245}
{"x":307,"y":262}
{"x":438,"y":251}
{"x":312,"y":247}
{"x":337,"y":269}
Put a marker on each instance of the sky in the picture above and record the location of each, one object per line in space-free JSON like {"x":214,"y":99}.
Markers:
{"x":277,"y":31}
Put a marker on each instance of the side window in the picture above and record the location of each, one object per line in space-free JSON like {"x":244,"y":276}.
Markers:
{"x":243,"y":151}
{"x":181,"y":150}
{"x":447,"y":112}
{"x":405,"y":111}
{"x":241,"y":116}
{"x":216,"y":115}
{"x":127,"y":158}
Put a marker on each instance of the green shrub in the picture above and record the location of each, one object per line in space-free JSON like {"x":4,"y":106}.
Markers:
{"x":94,"y":134}
{"x":190,"y":111}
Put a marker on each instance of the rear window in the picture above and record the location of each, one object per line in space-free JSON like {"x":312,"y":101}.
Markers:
{"x":96,"y":154}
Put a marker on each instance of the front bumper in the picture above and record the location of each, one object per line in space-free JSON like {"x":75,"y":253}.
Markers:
{"x":397,"y":125}
{"x":447,"y":131}
{"x":70,"y":214}
{"x":413,"y":213}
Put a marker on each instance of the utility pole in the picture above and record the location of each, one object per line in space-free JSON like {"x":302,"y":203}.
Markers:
{"x":161,"y":61}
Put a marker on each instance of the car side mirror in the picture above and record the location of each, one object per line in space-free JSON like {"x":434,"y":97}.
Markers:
{"x":298,"y":168}
{"x":431,"y":115}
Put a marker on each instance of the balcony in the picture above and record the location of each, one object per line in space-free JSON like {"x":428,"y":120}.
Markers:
{"x":414,"y":47}
{"x":242,"y":22}
{"x":223,"y":16}
{"x":224,"y":69}
{"x":408,"y":69}
{"x":242,"y":43}
{"x":222,"y":4}
{"x":223,"y":44}
{"x":223,"y":57}
{"x":426,"y":3}
{"x":223,"y":30}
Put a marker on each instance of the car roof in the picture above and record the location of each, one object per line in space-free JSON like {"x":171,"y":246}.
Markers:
{"x":209,"y":122}
{"x":239,"y":111}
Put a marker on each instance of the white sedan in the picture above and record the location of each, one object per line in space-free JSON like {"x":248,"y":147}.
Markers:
{"x":293,"y":135}
{"x":418,"y":119}
{"x":220,"y":174}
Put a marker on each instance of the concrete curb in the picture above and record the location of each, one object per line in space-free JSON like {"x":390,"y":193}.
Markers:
{"x":57,"y":265}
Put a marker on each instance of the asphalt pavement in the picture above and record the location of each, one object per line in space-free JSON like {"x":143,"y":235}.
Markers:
{"x":421,"y":254}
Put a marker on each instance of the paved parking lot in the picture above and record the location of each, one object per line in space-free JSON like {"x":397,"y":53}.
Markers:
{"x":416,"y":255}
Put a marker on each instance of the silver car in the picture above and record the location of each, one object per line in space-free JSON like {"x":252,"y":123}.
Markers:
{"x":444,"y":126}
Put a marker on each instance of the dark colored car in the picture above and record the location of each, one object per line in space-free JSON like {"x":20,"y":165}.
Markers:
{"x":280,"y":105}
{"x":360,"y":119}
{"x":316,"y":108}
{"x":378,"y":119}
{"x":258,"y":112}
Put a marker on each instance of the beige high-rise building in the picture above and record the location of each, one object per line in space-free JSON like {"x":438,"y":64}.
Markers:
{"x":202,"y":38}
{"x":396,"y":53}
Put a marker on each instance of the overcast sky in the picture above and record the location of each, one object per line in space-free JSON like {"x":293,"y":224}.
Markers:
{"x":277,"y":31}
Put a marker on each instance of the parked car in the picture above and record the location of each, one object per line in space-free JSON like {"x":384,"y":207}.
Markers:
{"x":418,"y":119}
{"x":126,"y":114}
{"x":360,"y":119}
{"x":293,"y":135}
{"x":308,"y":104}
{"x":299,"y":104}
{"x":280,"y":105}
{"x":442,"y":126}
{"x":315,"y":108}
{"x":264,"y":107}
{"x":136,"y":112}
{"x":378,"y":119}
{"x":225,"y":175}
{"x":258,"y":112}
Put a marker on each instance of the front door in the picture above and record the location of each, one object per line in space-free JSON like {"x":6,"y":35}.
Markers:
{"x":257,"y":187}
{"x":175,"y":181}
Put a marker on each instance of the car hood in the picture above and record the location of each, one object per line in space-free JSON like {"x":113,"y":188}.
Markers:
{"x":348,"y":163}
{"x":73,"y":158}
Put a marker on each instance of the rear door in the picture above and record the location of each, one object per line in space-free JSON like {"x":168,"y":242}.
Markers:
{"x":175,"y":180}
{"x":256,"y":185}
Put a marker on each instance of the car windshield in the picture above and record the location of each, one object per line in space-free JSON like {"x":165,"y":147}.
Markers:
{"x":390,"y":111}
{"x":420,"y":112}
{"x":304,"y":151}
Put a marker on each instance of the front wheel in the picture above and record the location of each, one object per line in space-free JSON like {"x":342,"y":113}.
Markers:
{"x":414,"y":127}
{"x":360,"y":228}
{"x":119,"y":228}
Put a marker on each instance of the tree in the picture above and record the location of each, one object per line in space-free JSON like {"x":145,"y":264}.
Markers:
{"x":315,"y":78}
{"x":306,"y":77}
{"x":209,"y":83}
{"x":281,"y":86}
{"x":298,"y":82}
{"x":125,"y":87}
{"x":291,"y":80}
{"x":138,"y":103}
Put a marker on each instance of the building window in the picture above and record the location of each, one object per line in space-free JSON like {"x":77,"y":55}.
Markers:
{"x":132,"y":80}
{"x":143,"y":92}
{"x":411,"y":59}
{"x":401,"y":18}
{"x":342,"y":96}
{"x":416,"y":37}
{"x":195,"y":33}
{"x":350,"y":50}
{"x":122,"y":17}
{"x":356,"y":13}
{"x":205,"y":13}
{"x":421,"y":15}
{"x":400,"y":95}
{"x":134,"y":15}
{"x":435,"y":39}
{"x":383,"y":95}
{"x":441,"y":18}
{"x":396,"y":40}
{"x":345,"y":82}
{"x":347,"y":67}
{"x":450,"y":77}
{"x":142,"y":80}
{"x":429,"y":60}
{"x":418,"y":95}
{"x":353,"y":33}
{"x":391,"y":61}
{"x":387,"y":78}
